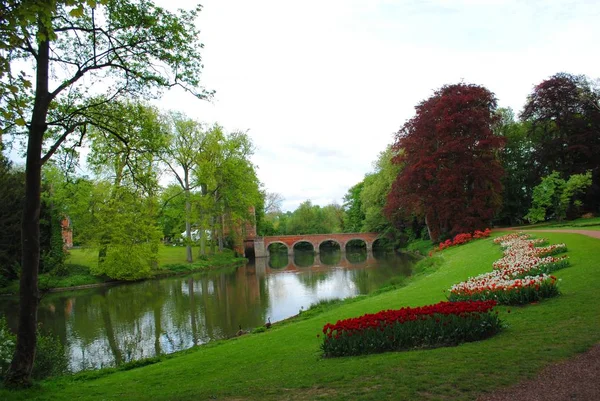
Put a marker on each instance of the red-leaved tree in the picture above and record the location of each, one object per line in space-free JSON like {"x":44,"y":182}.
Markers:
{"x":452,"y":172}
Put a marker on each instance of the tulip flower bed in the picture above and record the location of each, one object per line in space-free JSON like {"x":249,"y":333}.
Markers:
{"x":445,"y":323}
{"x":461,"y":239}
{"x":520,"y":277}
{"x":505,"y":290}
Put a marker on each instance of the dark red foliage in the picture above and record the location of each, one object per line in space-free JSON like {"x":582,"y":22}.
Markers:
{"x":452,"y":172}
{"x":565,"y":126}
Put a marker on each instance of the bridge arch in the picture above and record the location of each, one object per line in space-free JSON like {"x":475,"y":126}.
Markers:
{"x":303,"y":241}
{"x":331,"y":241}
{"x":368,"y":245}
{"x":276,"y":243}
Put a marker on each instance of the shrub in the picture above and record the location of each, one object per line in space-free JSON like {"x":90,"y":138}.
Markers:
{"x":50,"y":357}
{"x":7,"y":346}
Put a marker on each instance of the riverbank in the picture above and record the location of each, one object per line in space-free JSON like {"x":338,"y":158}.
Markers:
{"x":171,"y":262}
{"x":285,"y":361}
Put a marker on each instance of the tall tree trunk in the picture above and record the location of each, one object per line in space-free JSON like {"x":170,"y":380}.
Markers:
{"x":19,"y":372}
{"x":214,"y":234}
{"x":202,"y":240}
{"x":188,"y":218}
{"x":221,"y":231}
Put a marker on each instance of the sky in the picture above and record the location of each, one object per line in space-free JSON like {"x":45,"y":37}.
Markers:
{"x":322,"y":86}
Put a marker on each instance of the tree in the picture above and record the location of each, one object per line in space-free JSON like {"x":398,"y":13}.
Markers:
{"x":171,"y":214}
{"x":557,"y":195}
{"x":564,"y":116}
{"x":520,"y":176}
{"x":131,"y":46}
{"x":273,"y":201}
{"x":11,"y":202}
{"x":354,"y":215}
{"x":188,"y":143}
{"x":234,"y":187}
{"x":125,"y":228}
{"x":451,"y":172}
{"x":376,"y":187}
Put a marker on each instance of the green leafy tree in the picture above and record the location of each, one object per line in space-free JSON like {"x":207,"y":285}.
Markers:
{"x":131,"y":163}
{"x":555,"y":195}
{"x":11,"y":202}
{"x":236,"y":186}
{"x":520,"y":176}
{"x":126,"y":230}
{"x":313,"y":219}
{"x":132,"y":46}
{"x":376,"y":187}
{"x":185,"y":157}
{"x":171,"y":216}
{"x":354,"y":214}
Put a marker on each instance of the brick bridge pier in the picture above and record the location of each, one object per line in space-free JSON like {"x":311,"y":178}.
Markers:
{"x":260,"y":245}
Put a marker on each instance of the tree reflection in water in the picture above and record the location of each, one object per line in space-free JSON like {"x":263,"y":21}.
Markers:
{"x":111,"y":325}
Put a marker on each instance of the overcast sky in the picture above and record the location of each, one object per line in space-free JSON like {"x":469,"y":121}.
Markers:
{"x":322,"y":86}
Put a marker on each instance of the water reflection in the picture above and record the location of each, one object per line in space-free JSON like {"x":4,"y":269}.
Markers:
{"x":111,"y":325}
{"x":304,"y":258}
{"x":331,"y":258}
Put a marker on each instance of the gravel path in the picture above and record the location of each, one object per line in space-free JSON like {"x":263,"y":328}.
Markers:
{"x":574,"y":379}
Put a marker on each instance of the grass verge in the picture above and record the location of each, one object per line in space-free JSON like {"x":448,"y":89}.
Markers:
{"x":285,"y":362}
{"x":581,"y":224}
{"x":171,"y":261}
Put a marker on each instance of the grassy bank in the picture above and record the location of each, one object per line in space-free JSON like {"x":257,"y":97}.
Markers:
{"x":592,"y":223}
{"x":285,"y":362}
{"x":171,"y":261}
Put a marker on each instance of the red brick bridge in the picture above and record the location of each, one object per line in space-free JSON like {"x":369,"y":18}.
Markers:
{"x":261,"y":244}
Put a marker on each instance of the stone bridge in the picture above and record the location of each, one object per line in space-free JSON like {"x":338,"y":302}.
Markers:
{"x":261,"y":245}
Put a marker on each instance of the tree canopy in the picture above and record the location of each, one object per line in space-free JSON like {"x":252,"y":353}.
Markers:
{"x":85,"y":54}
{"x":451,"y":172}
{"x":564,"y":116}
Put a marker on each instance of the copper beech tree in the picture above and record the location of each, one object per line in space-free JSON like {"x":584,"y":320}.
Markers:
{"x":451,"y":171}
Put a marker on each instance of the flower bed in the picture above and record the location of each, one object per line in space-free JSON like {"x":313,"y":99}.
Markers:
{"x":461,"y":239}
{"x":520,"y":277}
{"x":504,"y":290}
{"x":445,"y":323}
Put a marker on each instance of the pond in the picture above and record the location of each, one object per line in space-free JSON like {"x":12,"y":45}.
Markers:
{"x":107,"y":326}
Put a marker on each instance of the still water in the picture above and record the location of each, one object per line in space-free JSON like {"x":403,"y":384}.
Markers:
{"x":110,"y":325}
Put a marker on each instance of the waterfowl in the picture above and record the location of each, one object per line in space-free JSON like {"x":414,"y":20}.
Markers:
{"x":268,"y":324}
{"x":241,"y":332}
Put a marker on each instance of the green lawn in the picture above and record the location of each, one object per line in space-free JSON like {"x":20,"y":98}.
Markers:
{"x":171,"y":260}
{"x":582,"y":224}
{"x":166,"y":255}
{"x":285,"y":362}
